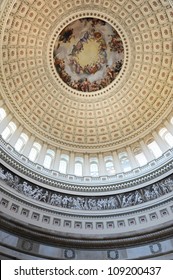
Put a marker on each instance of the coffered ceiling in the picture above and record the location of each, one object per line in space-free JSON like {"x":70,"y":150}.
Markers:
{"x":123,"y":112}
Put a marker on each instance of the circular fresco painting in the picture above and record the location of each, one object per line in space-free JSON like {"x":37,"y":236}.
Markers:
{"x":88,"y":54}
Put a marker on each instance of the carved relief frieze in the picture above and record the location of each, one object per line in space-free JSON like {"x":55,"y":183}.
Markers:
{"x":85,"y":203}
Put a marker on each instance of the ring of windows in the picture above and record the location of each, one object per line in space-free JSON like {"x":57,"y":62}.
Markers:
{"x":109,"y":162}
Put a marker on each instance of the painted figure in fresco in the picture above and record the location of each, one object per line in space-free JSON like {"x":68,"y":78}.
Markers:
{"x":79,"y":46}
{"x":85,"y":37}
{"x":66,"y":35}
{"x":71,"y":43}
{"x":85,"y":85}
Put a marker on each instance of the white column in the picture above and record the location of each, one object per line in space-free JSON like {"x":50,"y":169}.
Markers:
{"x":169,"y":127}
{"x":15,"y":136}
{"x":134,"y":164}
{"x":70,"y":169}
{"x":149,"y":156}
{"x":101,"y":165}
{"x":117,"y":164}
{"x":86,"y":169}
{"x":28,"y":146}
{"x":162,"y":144}
{"x":5,"y":123}
{"x":57,"y":160}
{"x":41,"y":156}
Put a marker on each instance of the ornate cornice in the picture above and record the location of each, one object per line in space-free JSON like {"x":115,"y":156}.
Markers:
{"x":37,"y":234}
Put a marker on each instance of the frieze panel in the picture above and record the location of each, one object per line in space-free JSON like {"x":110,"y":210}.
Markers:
{"x":86,"y":203}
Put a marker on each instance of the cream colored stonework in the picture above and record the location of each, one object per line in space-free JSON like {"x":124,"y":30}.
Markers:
{"x":122,"y":113}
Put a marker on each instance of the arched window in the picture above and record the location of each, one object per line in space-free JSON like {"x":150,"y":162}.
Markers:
{"x":34,"y":151}
{"x":109,"y":165}
{"x":94,"y":170}
{"x":167,"y":136}
{"x":21,"y":142}
{"x":154,"y":148}
{"x":63,"y":164}
{"x":125,"y":162}
{"x":2,"y":114}
{"x":48,"y":160}
{"x":140,"y":157}
{"x":8,"y":131}
{"x":78,"y":169}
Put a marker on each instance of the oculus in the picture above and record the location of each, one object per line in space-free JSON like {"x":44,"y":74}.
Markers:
{"x":88,"y":54}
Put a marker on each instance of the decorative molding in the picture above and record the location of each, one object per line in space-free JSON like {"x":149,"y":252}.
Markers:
{"x":113,"y":254}
{"x":52,"y":237}
{"x":156,"y":248}
{"x":27,"y":245}
{"x":69,"y":254}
